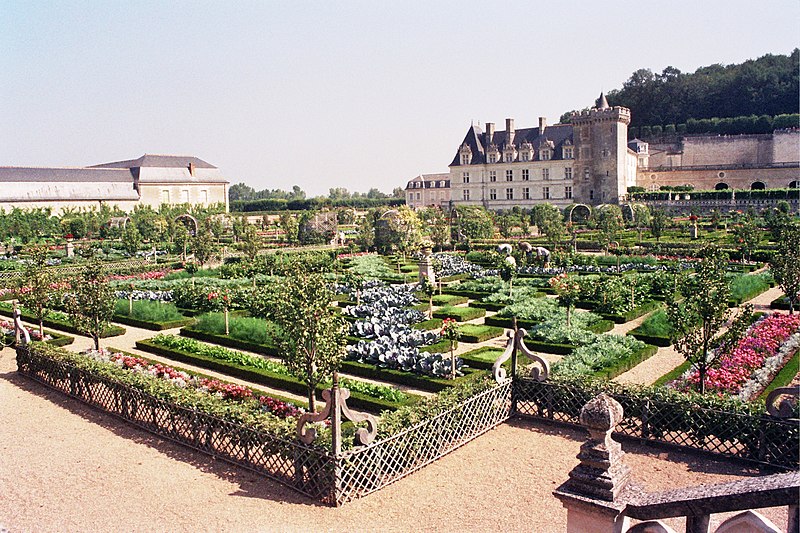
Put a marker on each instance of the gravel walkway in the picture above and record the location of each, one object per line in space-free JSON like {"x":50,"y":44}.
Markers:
{"x":67,"y":467}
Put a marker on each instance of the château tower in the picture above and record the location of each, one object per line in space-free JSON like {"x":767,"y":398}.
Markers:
{"x":600,"y":136}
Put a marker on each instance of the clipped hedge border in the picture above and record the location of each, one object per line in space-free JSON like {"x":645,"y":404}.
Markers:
{"x":549,"y":347}
{"x":655,"y":340}
{"x":781,"y":302}
{"x":488,"y":306}
{"x":640,"y":310}
{"x":442,"y":346}
{"x":264,"y":377}
{"x":229,"y":342}
{"x":622,"y":366}
{"x":460,"y":314}
{"x":431,"y":323}
{"x":481,"y":364}
{"x":58,"y":339}
{"x":472,"y":295}
{"x":480,"y":334}
{"x":111,"y":331}
{"x":507,"y":322}
{"x":400,"y":377}
{"x":601,"y":326}
{"x":155,"y":326}
{"x":448,"y":299}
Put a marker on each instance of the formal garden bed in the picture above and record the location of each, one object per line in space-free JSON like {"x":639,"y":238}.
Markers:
{"x":149,"y":315}
{"x":655,"y":329}
{"x":7,"y":334}
{"x":58,"y":320}
{"x":460,"y":314}
{"x":475,"y":333}
{"x":745,"y":287}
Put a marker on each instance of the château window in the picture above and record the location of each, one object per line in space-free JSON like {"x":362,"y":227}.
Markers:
{"x":418,"y":197}
{"x":509,"y":157}
{"x":568,"y":173}
{"x":545,"y":155}
{"x":585,"y":174}
{"x":492,"y":158}
{"x":545,"y":173}
{"x":492,"y":194}
{"x":493,"y":176}
{"x":165,"y":196}
{"x":465,"y":177}
{"x":525,"y":174}
{"x":509,"y":194}
{"x":526,"y":193}
{"x":465,"y":194}
{"x":591,"y":194}
{"x":568,"y":192}
{"x":509,"y":175}
{"x":546,"y":193}
{"x":464,"y":159}
{"x":204,"y":197}
{"x":185,"y":196}
{"x":525,"y":156}
{"x":567,"y":152}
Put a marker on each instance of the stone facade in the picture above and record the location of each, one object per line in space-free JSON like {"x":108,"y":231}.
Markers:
{"x":587,"y":161}
{"x":150,"y":180}
{"x":708,"y":162}
{"x":427,"y":190}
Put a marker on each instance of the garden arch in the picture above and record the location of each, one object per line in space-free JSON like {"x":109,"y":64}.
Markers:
{"x":585,"y":209}
{"x":757,"y":186}
{"x":119,"y":222}
{"x":721,"y":186}
{"x":187,"y":217}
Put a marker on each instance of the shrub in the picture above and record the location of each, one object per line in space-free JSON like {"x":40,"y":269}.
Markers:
{"x":148,"y":311}
{"x":248,"y":329}
{"x":478,"y":333}
{"x":461,"y":314}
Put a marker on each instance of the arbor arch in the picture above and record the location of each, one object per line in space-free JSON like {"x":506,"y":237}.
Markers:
{"x":188,"y":220}
{"x":584,"y":211}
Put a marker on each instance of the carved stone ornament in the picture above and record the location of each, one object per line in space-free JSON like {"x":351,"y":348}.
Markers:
{"x":601,"y":474}
{"x":336,"y":405}
{"x":781,"y":401}
{"x":541,"y":368}
{"x":21,"y":331}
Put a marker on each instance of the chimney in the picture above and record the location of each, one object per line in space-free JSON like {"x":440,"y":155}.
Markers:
{"x":191,"y":169}
{"x":489,"y":133}
{"x":510,"y":130}
{"x":542,"y":125}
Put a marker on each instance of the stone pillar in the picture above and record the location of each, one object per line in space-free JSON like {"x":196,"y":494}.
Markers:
{"x":426,"y":267}
{"x":70,"y":249}
{"x":592,"y":495}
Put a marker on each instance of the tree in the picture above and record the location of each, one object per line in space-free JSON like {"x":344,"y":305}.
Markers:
{"x":35,"y":290}
{"x":203,"y":243}
{"x":610,"y":222}
{"x":313,"y":337}
{"x":658,"y":223}
{"x":428,"y":289}
{"x":471,"y":223}
{"x":240,"y":191}
{"x":251,"y":242}
{"x":568,"y":290}
{"x":641,"y":219}
{"x":131,"y":239}
{"x":290,"y":226}
{"x":405,"y":230}
{"x":90,"y":302}
{"x":747,"y":235}
{"x":785,"y":264}
{"x":365,"y":233}
{"x":438,"y":227}
{"x":698,"y":318}
{"x":506,"y":224}
{"x":550,"y":221}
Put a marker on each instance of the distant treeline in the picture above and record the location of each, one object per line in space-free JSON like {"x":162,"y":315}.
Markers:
{"x":768,"y":85}
{"x":721,"y":126}
{"x":280,"y":204}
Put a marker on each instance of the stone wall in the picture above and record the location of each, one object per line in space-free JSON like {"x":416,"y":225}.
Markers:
{"x":708,"y":178}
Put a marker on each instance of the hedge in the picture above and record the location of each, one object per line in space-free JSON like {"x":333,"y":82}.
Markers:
{"x":472,"y":295}
{"x":507,"y":322}
{"x":784,"y":377}
{"x":461,"y":314}
{"x":230,"y":342}
{"x":655,"y":340}
{"x":265,"y":377}
{"x":432,"y":323}
{"x":50,"y":322}
{"x":781,"y":302}
{"x":447,"y":299}
{"x":439,"y":347}
{"x":640,"y":310}
{"x":155,"y":326}
{"x":626,"y":364}
{"x":473,"y":359}
{"x":549,"y":347}
{"x":58,"y":339}
{"x":601,"y":326}
{"x":417,"y":381}
{"x":473,"y":333}
{"x":489,"y":306}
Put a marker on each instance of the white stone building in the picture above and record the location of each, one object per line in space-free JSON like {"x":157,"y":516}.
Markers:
{"x":427,"y":190}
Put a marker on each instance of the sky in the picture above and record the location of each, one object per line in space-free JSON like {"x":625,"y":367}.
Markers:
{"x":353,"y":94}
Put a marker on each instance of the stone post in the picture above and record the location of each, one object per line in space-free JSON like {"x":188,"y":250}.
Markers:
{"x":426,"y":267}
{"x":592,"y":493}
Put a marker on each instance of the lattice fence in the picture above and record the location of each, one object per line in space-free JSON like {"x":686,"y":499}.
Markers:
{"x":762,"y":439}
{"x":367,"y":469}
{"x":303,"y":468}
{"x":9,"y":278}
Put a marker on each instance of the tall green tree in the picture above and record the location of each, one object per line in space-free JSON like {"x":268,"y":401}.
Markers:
{"x":641,"y":219}
{"x":290,"y":226}
{"x":90,"y":301}
{"x":471,"y":223}
{"x":610,"y":222}
{"x":131,"y":239}
{"x":747,"y":235}
{"x":658,"y":223}
{"x":785,"y":264}
{"x":313,"y":336}
{"x":203,"y":243}
{"x":700,"y":313}
{"x":550,"y":221}
{"x":35,"y":289}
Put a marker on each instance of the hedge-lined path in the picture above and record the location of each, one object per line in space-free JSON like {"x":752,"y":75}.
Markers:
{"x":666,"y":359}
{"x":67,"y":467}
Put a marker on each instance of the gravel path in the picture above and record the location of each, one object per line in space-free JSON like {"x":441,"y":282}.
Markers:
{"x":67,"y":467}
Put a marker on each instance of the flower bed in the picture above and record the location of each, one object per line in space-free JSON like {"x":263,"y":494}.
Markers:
{"x":50,"y":337}
{"x":749,"y":366}
{"x":58,"y":320}
{"x":373,"y":398}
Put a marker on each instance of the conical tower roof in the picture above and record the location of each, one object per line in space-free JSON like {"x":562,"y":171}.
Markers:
{"x":601,"y":102}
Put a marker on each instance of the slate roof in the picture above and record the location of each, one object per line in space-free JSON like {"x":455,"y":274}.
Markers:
{"x":476,"y":140}
{"x":431,"y":181}
{"x":71,"y":175}
{"x":158,"y":161}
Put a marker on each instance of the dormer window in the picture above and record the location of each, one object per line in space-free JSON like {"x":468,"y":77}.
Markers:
{"x":509,"y":157}
{"x":545,"y":155}
{"x":492,"y":153}
{"x":492,"y":158}
{"x":567,"y":152}
{"x":465,"y":153}
{"x":524,"y":156}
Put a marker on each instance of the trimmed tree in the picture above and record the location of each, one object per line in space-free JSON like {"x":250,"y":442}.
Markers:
{"x":35,"y":291}
{"x":701,"y":313}
{"x":658,"y":223}
{"x":90,"y":302}
{"x":785,"y":265}
{"x":313,"y":336}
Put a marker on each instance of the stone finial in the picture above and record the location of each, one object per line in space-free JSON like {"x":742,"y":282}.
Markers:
{"x":601,"y":474}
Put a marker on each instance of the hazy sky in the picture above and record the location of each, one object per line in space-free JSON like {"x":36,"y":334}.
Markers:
{"x":334,"y":94}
